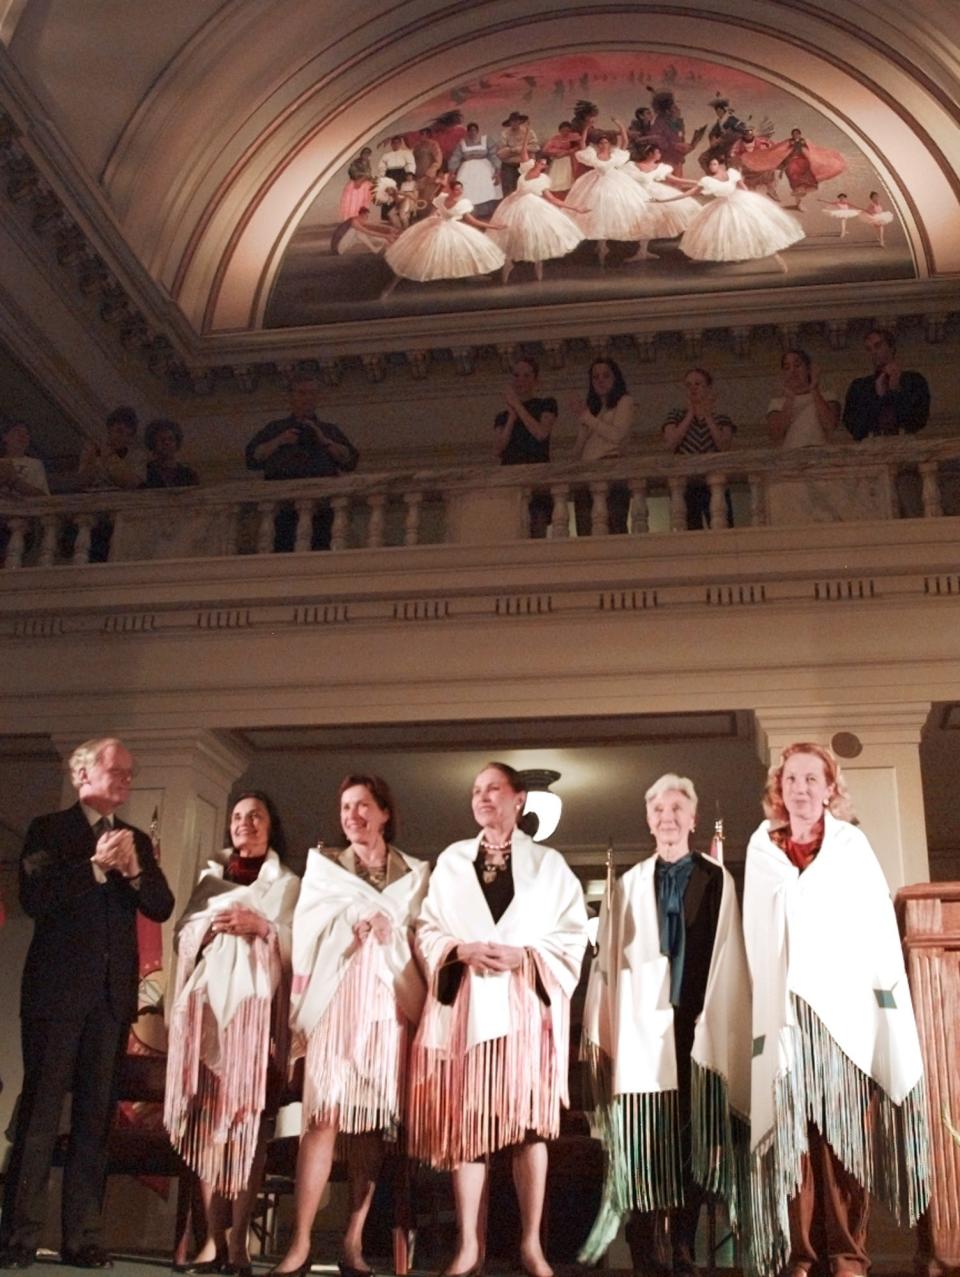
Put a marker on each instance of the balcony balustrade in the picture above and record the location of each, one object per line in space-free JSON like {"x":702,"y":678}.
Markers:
{"x":886,"y":478}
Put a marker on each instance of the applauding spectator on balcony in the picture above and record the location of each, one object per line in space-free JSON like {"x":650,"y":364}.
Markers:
{"x":890,"y":400}
{"x":606,"y":419}
{"x":20,"y":475}
{"x":699,"y":428}
{"x":301,"y":447}
{"x":521,"y":434}
{"x":118,"y":461}
{"x":804,"y":415}
{"x":164,"y":439}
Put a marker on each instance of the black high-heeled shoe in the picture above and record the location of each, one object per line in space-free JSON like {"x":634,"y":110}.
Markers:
{"x":292,"y":1272}
{"x":347,"y":1270}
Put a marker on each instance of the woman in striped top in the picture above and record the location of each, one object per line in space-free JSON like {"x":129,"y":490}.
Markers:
{"x":699,"y":428}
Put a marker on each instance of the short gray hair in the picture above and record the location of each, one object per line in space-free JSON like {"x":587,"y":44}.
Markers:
{"x":87,"y":754}
{"x":670,"y":780}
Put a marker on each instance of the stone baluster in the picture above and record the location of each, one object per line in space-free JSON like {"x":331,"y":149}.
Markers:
{"x":932,"y":505}
{"x":265,"y":532}
{"x":17,"y":528}
{"x":678,"y":504}
{"x":304,"y":537}
{"x":560,"y":521}
{"x":81,"y":547}
{"x":758,"y":501}
{"x":599,"y":518}
{"x":338,"y":531}
{"x":893,"y":486}
{"x":411,"y":519}
{"x":640,"y":522}
{"x":46,"y":553}
{"x":233,"y":529}
{"x":377,"y":502}
{"x":717,"y":484}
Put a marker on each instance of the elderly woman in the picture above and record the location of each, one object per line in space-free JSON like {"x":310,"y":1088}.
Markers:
{"x":501,"y":936}
{"x":665,"y":1030}
{"x":838,"y":1103}
{"x":357,"y":994}
{"x":228,"y":1023}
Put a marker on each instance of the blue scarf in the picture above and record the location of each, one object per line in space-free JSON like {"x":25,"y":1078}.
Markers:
{"x":671,"y":881}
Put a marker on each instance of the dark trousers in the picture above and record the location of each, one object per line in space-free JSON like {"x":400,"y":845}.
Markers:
{"x":618,"y":508}
{"x":828,"y":1215}
{"x":78,"y":1055}
{"x":697,"y":497}
{"x":285,"y":529}
{"x":665,"y":1240}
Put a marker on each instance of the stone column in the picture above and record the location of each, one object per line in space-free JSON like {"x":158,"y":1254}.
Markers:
{"x":878,"y":748}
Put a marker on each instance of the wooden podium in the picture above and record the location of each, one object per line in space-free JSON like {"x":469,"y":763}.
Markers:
{"x":929,"y":917}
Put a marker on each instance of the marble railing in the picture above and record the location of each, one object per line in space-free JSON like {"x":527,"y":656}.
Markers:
{"x":878,"y":479}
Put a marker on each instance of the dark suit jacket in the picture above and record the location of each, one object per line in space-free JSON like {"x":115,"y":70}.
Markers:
{"x":84,"y":944}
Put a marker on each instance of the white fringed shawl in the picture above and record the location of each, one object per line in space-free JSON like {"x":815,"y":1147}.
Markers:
{"x":833,"y":1030}
{"x":220,"y":1022}
{"x":352,"y":1005}
{"x":629,"y":1044}
{"x":493,"y":1065}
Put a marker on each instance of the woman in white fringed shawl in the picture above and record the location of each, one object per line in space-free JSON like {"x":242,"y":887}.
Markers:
{"x":501,"y":936}
{"x":357,"y":996}
{"x":838,"y":1106}
{"x":667,"y":1040}
{"x":228,"y":1025}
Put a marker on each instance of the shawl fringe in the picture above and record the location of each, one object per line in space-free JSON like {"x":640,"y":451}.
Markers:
{"x":465,"y":1104}
{"x":641,"y":1135}
{"x":882,"y":1144}
{"x":355,"y":1068}
{"x":214,"y":1118}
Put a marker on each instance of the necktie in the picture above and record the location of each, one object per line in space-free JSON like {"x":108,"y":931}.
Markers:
{"x":672,"y":882}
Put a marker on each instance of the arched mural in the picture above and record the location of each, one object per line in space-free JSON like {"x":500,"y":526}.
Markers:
{"x":798,"y":162}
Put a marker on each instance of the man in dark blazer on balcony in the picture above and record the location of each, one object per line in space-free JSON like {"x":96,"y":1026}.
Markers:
{"x":84,"y":876}
{"x":302,"y":447}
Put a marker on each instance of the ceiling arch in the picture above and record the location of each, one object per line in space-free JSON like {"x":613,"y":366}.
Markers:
{"x":252,"y":108}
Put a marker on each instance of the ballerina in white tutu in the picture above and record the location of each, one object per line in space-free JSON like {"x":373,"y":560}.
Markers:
{"x":449,"y":244}
{"x":842,"y":211}
{"x":737,"y":225}
{"x":878,"y":216}
{"x":671,"y":211}
{"x":617,"y":206}
{"x":533,"y":226}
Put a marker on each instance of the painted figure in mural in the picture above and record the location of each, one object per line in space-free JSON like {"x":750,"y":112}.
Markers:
{"x":616,"y":206}
{"x":640,"y":128}
{"x":516,"y":129}
{"x":878,"y":217}
{"x":357,"y":192}
{"x":724,"y":132}
{"x":477,"y":165}
{"x":561,"y":150}
{"x":362,"y":234}
{"x":584,"y":121}
{"x":672,"y":211}
{"x":669,"y":131}
{"x":737,"y":225}
{"x":534,"y":228}
{"x":449,"y":244}
{"x":842,"y":211}
{"x":753,"y":143}
{"x":447,"y":130}
{"x":803,"y":164}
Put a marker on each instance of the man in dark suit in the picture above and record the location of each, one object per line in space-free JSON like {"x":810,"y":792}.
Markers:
{"x":84,"y":875}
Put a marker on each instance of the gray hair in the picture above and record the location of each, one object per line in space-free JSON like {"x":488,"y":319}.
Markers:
{"x":670,"y":780}
{"x":85,"y":755}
